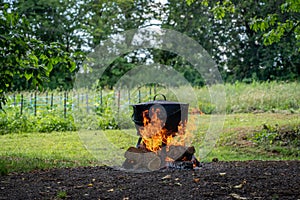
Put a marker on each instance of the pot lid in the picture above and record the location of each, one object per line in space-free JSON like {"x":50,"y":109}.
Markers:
{"x":160,"y":101}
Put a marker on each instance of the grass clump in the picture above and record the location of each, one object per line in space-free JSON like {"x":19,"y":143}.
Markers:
{"x":61,"y":194}
{"x":3,"y":168}
{"x":279,"y":139}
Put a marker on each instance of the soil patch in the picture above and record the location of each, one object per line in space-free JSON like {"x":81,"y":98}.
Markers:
{"x":215,"y":180}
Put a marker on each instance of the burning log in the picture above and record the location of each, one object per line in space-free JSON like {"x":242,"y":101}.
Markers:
{"x":152,"y":161}
{"x":143,"y":159}
{"x":134,"y":153}
{"x":181,"y":153}
{"x":183,"y":157}
{"x":137,"y":158}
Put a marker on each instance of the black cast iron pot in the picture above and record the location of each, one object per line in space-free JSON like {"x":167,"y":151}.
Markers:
{"x":171,"y":113}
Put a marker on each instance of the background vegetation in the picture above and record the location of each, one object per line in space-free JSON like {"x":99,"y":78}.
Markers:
{"x":259,"y":125}
{"x":43,"y":45}
{"x":99,"y":110}
{"x":266,"y":136}
{"x":45,"y":42}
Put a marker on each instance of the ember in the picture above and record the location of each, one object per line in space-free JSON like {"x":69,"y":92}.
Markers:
{"x":161,"y":145}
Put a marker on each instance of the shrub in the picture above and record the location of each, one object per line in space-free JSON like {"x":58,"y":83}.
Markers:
{"x":55,"y":122}
{"x":12,"y":122}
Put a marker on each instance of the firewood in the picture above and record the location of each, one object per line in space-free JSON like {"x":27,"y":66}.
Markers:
{"x":178,"y":153}
{"x":141,"y":159}
{"x":151,"y":161}
{"x":133,"y":153}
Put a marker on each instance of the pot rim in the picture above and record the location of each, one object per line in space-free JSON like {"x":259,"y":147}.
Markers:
{"x":159,"y":102}
{"x":164,"y":102}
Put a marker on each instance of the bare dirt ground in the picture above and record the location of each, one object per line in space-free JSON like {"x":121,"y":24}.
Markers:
{"x":215,"y":180}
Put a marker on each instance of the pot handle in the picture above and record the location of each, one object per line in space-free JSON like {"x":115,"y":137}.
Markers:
{"x":154,"y":98}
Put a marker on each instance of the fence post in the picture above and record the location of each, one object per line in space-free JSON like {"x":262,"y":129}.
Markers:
{"x":65,"y":104}
{"x":51,"y":103}
{"x":21,"y":108}
{"x":87,"y":103}
{"x":46,"y":99}
{"x":35,"y":101}
{"x":73,"y":100}
{"x":101,"y":97}
{"x":14,"y":98}
{"x":119,"y":99}
{"x":139,"y":95}
{"x":128,"y":96}
{"x":78,"y":100}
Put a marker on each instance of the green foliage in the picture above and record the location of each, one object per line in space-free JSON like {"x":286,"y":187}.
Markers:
{"x":92,"y":121}
{"x":189,"y":2}
{"x":54,"y":122}
{"x":55,"y":26}
{"x":277,"y":22}
{"x":107,"y":116}
{"x":206,"y":107}
{"x":279,"y":139}
{"x":113,"y":73}
{"x":13,"y":122}
{"x":268,"y":134}
{"x":25,"y":61}
{"x":259,"y":39}
{"x":99,"y":117}
{"x":49,"y":118}
{"x":276,"y":28}
{"x":221,"y":8}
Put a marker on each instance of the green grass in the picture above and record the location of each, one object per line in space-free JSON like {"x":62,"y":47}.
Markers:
{"x":255,"y":97}
{"x":236,"y":142}
{"x":30,"y":151}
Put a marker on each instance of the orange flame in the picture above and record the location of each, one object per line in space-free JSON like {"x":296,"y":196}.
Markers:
{"x":155,"y":135}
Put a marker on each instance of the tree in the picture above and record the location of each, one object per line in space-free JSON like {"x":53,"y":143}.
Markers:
{"x":60,"y":22}
{"x":275,"y":28}
{"x":262,"y":38}
{"x":22,"y":56}
{"x":262,"y":60}
{"x":112,"y":17}
{"x":223,"y":28}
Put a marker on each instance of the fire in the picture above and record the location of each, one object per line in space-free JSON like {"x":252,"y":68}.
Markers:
{"x":160,"y":147}
{"x":155,"y":136}
{"x":153,"y":131}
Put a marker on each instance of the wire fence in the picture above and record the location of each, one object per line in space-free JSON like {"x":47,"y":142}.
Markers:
{"x":68,"y":101}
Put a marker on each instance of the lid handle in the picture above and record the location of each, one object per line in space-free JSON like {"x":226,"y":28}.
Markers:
{"x":154,"y":98}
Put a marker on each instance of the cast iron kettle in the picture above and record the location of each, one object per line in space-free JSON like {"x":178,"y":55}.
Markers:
{"x":171,"y":113}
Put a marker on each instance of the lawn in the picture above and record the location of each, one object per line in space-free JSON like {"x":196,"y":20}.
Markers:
{"x":244,"y":137}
